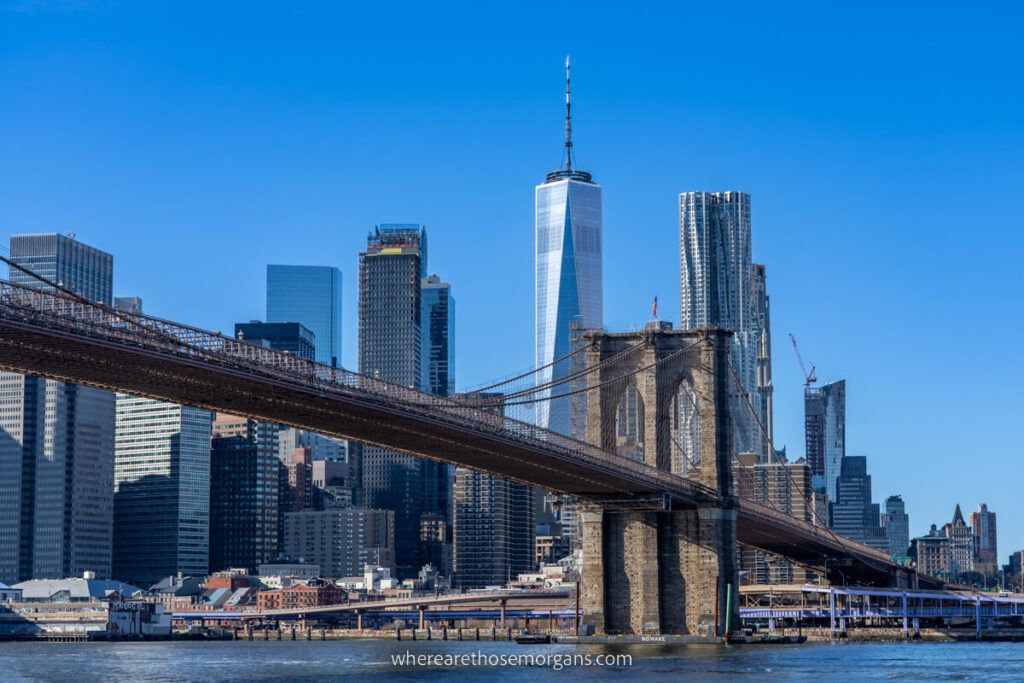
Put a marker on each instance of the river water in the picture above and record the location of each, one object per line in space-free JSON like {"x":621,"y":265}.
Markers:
{"x":212,"y":662}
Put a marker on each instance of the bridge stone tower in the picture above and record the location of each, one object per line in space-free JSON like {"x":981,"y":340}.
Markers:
{"x":658,"y":565}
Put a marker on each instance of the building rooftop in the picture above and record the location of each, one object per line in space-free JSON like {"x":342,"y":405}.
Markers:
{"x":73,"y":589}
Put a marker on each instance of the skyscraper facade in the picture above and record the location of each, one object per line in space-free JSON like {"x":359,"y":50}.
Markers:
{"x":390,"y":338}
{"x":310,"y":295}
{"x":897,"y":526}
{"x":161,"y":490}
{"x":961,"y":545}
{"x":56,"y":439}
{"x":341,"y":540}
{"x":437,"y":323}
{"x":716,"y":288}
{"x":983,"y":522}
{"x":438,"y":328}
{"x":493,"y":527}
{"x":568,"y":293}
{"x":785,"y":487}
{"x":825,"y":433}
{"x":244,"y":493}
{"x":763,"y":330}
{"x":853,"y":513}
{"x":295,"y":338}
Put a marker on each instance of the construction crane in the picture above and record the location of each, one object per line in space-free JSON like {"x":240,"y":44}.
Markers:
{"x":809,"y":377}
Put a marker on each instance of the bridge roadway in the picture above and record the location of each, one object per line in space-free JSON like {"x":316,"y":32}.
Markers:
{"x":61,"y":337}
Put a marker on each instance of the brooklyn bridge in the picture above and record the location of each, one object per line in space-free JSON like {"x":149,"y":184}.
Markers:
{"x":659,"y":540}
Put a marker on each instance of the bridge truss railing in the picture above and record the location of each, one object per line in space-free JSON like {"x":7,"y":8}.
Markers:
{"x":63,"y":313}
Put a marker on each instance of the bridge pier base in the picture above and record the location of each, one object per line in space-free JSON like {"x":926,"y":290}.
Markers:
{"x":653,"y":572}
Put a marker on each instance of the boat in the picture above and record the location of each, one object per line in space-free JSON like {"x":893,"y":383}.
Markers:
{"x":533,"y":639}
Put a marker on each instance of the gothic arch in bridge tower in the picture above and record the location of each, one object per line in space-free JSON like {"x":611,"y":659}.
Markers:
{"x":648,"y":568}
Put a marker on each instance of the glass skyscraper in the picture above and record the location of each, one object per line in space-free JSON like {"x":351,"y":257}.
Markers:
{"x":244,"y":492}
{"x":56,"y":439}
{"x":825,"y":433}
{"x":438,"y":328}
{"x":161,"y":490}
{"x":568,"y":286}
{"x":309,"y":295}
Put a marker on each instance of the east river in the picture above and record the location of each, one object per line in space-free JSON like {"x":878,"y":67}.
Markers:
{"x":211,"y":662}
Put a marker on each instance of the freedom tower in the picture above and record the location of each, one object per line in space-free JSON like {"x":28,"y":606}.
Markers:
{"x":568,"y":270}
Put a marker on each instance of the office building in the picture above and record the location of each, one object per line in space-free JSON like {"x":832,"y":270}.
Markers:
{"x":438,"y":328}
{"x":161,"y":490}
{"x":493,"y":527}
{"x":56,"y":439}
{"x":244,"y":493}
{"x":296,"y":488}
{"x":932,"y":556}
{"x":983,"y":523}
{"x":294,"y":338}
{"x":437,"y":323}
{"x":897,"y":526}
{"x":342,"y":541}
{"x":961,"y":545}
{"x":390,"y":337}
{"x":132,"y":304}
{"x":853,"y":513}
{"x":715,"y":273}
{"x":825,"y":433}
{"x":320,"y":447}
{"x":310,"y":295}
{"x":568,"y":294}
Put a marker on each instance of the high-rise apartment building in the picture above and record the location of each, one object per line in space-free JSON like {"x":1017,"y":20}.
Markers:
{"x":568,"y":266}
{"x":161,"y":490}
{"x":342,"y":541}
{"x":716,"y":288}
{"x":493,"y":527}
{"x":310,"y":295}
{"x":983,"y":522}
{"x":56,"y":439}
{"x":390,"y":348}
{"x":825,"y":433}
{"x":853,"y":513}
{"x":897,"y":526}
{"x":785,"y":487}
{"x":244,"y":493}
{"x":765,"y":389}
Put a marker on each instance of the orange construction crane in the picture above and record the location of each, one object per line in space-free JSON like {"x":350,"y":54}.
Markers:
{"x":809,"y":377}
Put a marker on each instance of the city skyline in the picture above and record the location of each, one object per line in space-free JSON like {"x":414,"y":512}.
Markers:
{"x":824,"y":319}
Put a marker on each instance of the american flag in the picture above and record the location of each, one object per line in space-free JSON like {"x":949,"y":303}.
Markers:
{"x":654,"y":308}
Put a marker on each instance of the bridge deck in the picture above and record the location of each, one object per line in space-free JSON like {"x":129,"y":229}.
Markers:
{"x":59,"y":337}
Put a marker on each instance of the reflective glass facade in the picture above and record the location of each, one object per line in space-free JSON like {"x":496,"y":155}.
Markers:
{"x":568,"y":278}
{"x":161,"y":490}
{"x":244,"y":492}
{"x":310,"y":295}
{"x":825,"y":433}
{"x":438,"y":328}
{"x":56,"y":440}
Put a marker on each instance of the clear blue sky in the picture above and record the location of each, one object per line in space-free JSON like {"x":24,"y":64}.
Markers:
{"x":882,"y":146}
